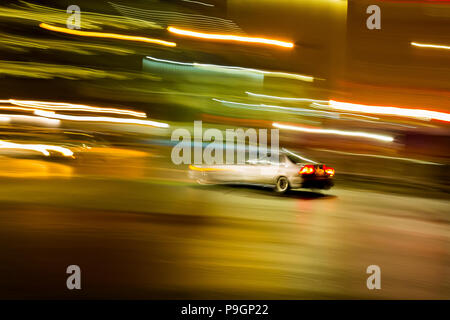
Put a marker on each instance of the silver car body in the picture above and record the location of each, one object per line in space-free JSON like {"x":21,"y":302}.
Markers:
{"x":264,"y":171}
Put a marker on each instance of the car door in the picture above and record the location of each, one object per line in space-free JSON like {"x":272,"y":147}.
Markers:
{"x":268,"y":170}
{"x":251,"y":171}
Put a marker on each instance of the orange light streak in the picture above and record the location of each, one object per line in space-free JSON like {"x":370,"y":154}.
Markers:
{"x":107,"y":35}
{"x":228,"y":37}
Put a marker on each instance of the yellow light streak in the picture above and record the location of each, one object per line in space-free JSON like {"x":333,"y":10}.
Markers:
{"x":227,"y":37}
{"x":276,"y":74}
{"x":107,"y":35}
{"x":207,"y":169}
{"x":428,"y":45}
{"x":15,"y":108}
{"x":336,"y":132}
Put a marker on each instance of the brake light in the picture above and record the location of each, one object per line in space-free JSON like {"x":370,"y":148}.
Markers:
{"x":308,"y":169}
{"x":328,"y":170}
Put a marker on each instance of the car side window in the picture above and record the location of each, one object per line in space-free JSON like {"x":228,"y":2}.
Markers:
{"x":266,"y":161}
{"x":284,"y":160}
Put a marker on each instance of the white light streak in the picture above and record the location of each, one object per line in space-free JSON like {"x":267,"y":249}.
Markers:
{"x":335,"y":132}
{"x":50,"y":114}
{"x":238,"y":69}
{"x":285,"y":98}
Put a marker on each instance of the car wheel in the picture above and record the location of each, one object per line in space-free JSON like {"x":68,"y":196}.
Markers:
{"x":282,"y":185}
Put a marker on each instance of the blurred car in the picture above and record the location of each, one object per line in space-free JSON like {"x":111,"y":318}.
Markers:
{"x":290,"y":171}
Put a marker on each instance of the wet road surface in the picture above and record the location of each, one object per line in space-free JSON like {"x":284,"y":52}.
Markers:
{"x":169,"y":238}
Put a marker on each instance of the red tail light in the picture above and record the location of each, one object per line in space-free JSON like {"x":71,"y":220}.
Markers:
{"x":328,"y":170}
{"x":308,"y":169}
